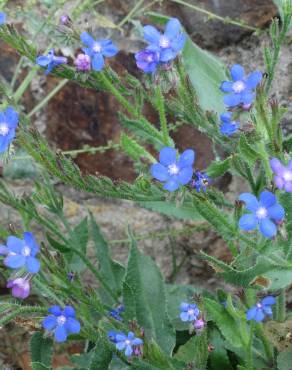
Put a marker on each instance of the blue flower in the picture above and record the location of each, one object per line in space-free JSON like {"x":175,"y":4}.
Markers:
{"x":8,"y":124}
{"x":50,"y":61}
{"x":127,"y":343}
{"x":241,"y":89}
{"x":201,"y":181}
{"x":116,"y":312}
{"x":21,"y":253}
{"x":147,"y":60}
{"x":168,"y":44}
{"x":2,"y":18}
{"x":189,"y":312}
{"x":61,"y":322}
{"x":263,"y":213}
{"x":97,"y":50}
{"x":283,"y":174}
{"x":172,"y":171}
{"x":261,"y":309}
{"x":228,"y":127}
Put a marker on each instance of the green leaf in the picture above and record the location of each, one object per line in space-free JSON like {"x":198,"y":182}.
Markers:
{"x":226,"y":323}
{"x":247,"y":151}
{"x":101,"y":356}
{"x":149,"y":299}
{"x":117,"y":364}
{"x":135,"y":150}
{"x":39,"y":366}
{"x":284,"y":360}
{"x":195,"y":351}
{"x":206,"y":74}
{"x":217,"y":169}
{"x":157,"y":357}
{"x":62,"y":248}
{"x":41,"y":349}
{"x":79,"y":240}
{"x":111,"y":271}
{"x":218,"y":357}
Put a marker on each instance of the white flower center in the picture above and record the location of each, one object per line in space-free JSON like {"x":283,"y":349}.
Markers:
{"x":287,"y":176}
{"x":238,"y":86}
{"x":3,"y":129}
{"x":262,"y":212}
{"x":25,"y":251}
{"x":127,"y":342}
{"x":61,"y":320}
{"x":173,"y":169}
{"x":149,"y":58}
{"x":164,"y":42}
{"x":96,"y":47}
{"x":259,"y":305}
{"x":191,"y":311}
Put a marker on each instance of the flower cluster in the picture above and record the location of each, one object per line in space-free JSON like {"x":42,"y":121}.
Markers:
{"x":201,"y":181}
{"x":261,"y":309}
{"x":116,"y":312}
{"x":8,"y":125}
{"x":240,"y":93}
{"x":20,"y":255}
{"x":130,"y":344}
{"x":189,"y":312}
{"x":50,"y":61}
{"x":61,"y":322}
{"x":263,"y":213}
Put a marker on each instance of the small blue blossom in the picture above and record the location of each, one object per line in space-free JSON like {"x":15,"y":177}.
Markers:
{"x":201,"y":181}
{"x":116,"y":312}
{"x":263,"y":213}
{"x":8,"y":124}
{"x":261,"y":309}
{"x":61,"y":322}
{"x":241,"y":89}
{"x":174,"y":172}
{"x":21,"y":253}
{"x":283,"y":174}
{"x":168,"y":44}
{"x":228,"y":126}
{"x":189,"y":312}
{"x":147,"y":60}
{"x":2,"y":18}
{"x":50,"y":61}
{"x":112,"y":335}
{"x":127,"y":343}
{"x":97,"y":50}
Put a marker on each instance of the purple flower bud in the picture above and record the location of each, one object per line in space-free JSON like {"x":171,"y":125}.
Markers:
{"x":283,"y":174}
{"x":65,"y":19}
{"x":83,"y":62}
{"x":199,"y":324}
{"x":20,"y":287}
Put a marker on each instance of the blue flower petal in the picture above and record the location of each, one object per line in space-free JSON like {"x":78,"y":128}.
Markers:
{"x":185,"y":175}
{"x":247,"y":222}
{"x":55,"y":310}
{"x":259,"y":316}
{"x":60,"y":333}
{"x":32,"y":265}
{"x":109,"y":50}
{"x":121,"y":337}
{"x":137,"y":342}
{"x":254,"y":79}
{"x":276,"y":212}
{"x":232,"y":100}
{"x":178,"y":43}
{"x":237,"y":72}
{"x":3,"y":250}
{"x":251,"y":202}
{"x":49,"y":322}
{"x":167,"y":156}
{"x":187,"y":158}
{"x":251,"y":313}
{"x":226,"y":117}
{"x":226,"y":86}
{"x":267,"y":310}
{"x":14,"y":261}
{"x":268,"y":228}
{"x":184,"y":316}
{"x":172,"y":28}
{"x":87,"y":39}
{"x":14,"y":244}
{"x":69,"y":311}
{"x":184,"y":306}
{"x":247,"y":97}
{"x":31,"y":242}
{"x":267,"y":199}
{"x":43,"y":60}
{"x":128,"y":351}
{"x":11,"y":117}
{"x":97,"y":62}
{"x":72,"y":326}
{"x":151,"y":34}
{"x":167,"y":55}
{"x":2,"y":18}
{"x":120,"y":345}
{"x":171,"y":185}
{"x":228,"y":129}
{"x":159,"y":172}
{"x":131,"y":335}
{"x":268,"y":301}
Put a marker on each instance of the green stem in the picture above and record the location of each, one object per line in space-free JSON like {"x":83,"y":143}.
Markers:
{"x":249,"y":357}
{"x":162,"y":116}
{"x":25,"y":83}
{"x":266,"y":343}
{"x":211,"y":15}
{"x":42,"y":103}
{"x":282,"y":306}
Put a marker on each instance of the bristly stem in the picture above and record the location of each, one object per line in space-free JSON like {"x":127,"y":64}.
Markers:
{"x":281,"y":309}
{"x":162,"y":115}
